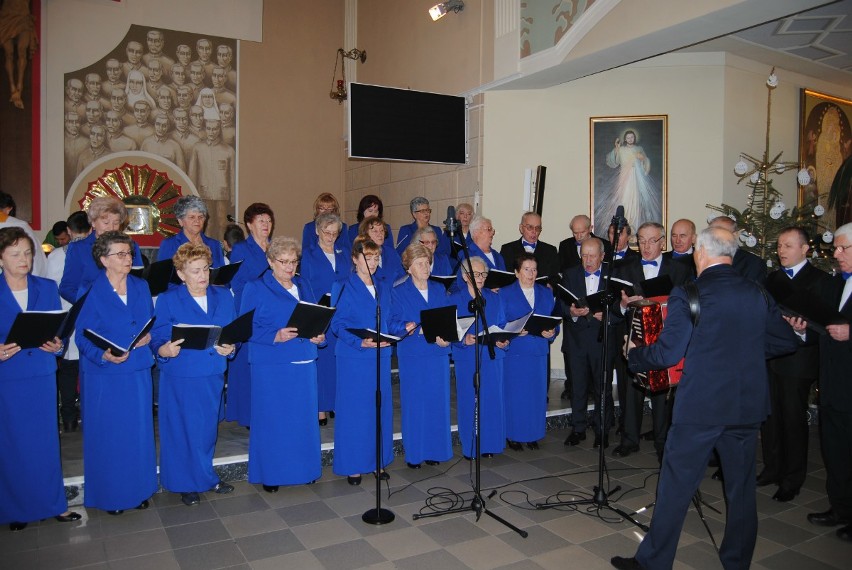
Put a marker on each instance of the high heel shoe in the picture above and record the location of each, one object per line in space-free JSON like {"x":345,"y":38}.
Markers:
{"x":70,"y":517}
{"x":270,"y":488}
{"x":383,"y":475}
{"x":323,"y":421}
{"x":16,"y":526}
{"x":354,"y":480}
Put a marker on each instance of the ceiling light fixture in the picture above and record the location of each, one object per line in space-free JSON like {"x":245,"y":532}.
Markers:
{"x":441,"y":9}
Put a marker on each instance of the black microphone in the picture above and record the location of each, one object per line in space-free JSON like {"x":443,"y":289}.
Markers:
{"x":619,"y":212}
{"x":450,"y":222}
{"x":231,"y":219}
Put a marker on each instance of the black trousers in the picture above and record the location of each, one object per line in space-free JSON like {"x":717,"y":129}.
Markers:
{"x":836,"y":438}
{"x":661,"y":406}
{"x":784,"y":435}
{"x":67,"y":372}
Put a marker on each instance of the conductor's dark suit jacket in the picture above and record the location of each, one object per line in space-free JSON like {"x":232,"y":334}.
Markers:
{"x":568,"y":255}
{"x":631,"y":270}
{"x":836,"y":356}
{"x":750,"y":266}
{"x":545,"y":255}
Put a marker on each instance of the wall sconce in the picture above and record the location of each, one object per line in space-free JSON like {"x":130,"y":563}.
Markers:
{"x":440,"y":10}
{"x":338,"y":86}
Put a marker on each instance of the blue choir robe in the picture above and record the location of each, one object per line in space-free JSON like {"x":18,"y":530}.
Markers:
{"x":191,"y":387}
{"x":284,"y":443}
{"x":170,"y":245}
{"x":525,"y":366}
{"x":353,"y":233}
{"x":424,"y":377}
{"x":81,"y":269}
{"x":355,"y":419}
{"x":119,"y":459}
{"x":475,"y":251}
{"x":492,"y":414}
{"x":238,"y":395}
{"x":30,"y":468}
{"x":317,"y":274}
{"x":391,"y":267}
{"x":407,"y":231}
{"x":309,"y":237}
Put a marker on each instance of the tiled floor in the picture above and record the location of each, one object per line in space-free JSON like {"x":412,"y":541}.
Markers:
{"x":320,"y":526}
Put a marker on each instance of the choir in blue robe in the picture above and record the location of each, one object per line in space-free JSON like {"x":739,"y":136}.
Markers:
{"x":191,"y":388}
{"x":525,"y":367}
{"x":317,"y":273}
{"x":238,"y":396}
{"x":309,"y":237}
{"x":81,"y":269}
{"x":424,"y":377}
{"x":170,"y":245}
{"x":407,"y":231}
{"x":492,"y":426}
{"x":119,"y":459}
{"x":390,"y":269}
{"x":441,"y":265}
{"x":30,"y":469}
{"x":284,"y":443}
{"x":355,"y":420}
{"x":353,"y":233}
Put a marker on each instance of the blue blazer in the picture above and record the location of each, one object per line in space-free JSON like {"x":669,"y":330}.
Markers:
{"x":391,"y":268}
{"x":254,"y":263}
{"x":475,"y":251}
{"x":42,"y":295}
{"x":353,"y":233}
{"x":273,"y":306}
{"x":407,"y":231}
{"x":81,"y":269}
{"x":316,"y":271}
{"x":495,"y":314}
{"x":309,"y":237}
{"x":176,"y":306}
{"x":170,"y":245}
{"x":406,"y":306}
{"x":516,"y":306}
{"x":356,"y":308}
{"x":105,"y":313}
{"x":724,"y":374}
{"x":441,"y":265}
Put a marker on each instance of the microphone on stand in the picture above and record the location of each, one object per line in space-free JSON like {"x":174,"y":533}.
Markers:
{"x":450,"y":224}
{"x":232,"y":220}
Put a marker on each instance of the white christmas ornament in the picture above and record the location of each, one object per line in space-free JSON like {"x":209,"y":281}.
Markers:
{"x":828,"y":237}
{"x":769,"y":263}
{"x":755,"y":176}
{"x":751,"y":241}
{"x":781,"y":205}
{"x":740,"y":168}
{"x":775,"y":212}
{"x":733,"y":217}
{"x":779,"y":168}
{"x":819,"y":210}
{"x":772,"y":81}
{"x":803,"y":177}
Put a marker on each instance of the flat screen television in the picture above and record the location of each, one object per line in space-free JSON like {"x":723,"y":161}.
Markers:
{"x":386,"y":123}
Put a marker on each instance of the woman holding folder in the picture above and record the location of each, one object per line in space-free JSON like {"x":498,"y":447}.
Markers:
{"x":525,"y":365}
{"x":191,"y":381}
{"x":119,"y":459}
{"x":492,"y":421}
{"x":355,"y":422}
{"x":424,"y":368}
{"x":31,"y":471}
{"x":284,"y":444}
{"x":191,"y":214}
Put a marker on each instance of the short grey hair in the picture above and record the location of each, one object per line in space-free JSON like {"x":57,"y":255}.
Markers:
{"x":657,"y":225}
{"x":717,"y":242}
{"x":724,"y":222}
{"x":325,"y":220}
{"x":281,"y":245}
{"x":417,"y":202}
{"x":476,"y":222}
{"x":845,"y":230}
{"x":418,"y":235}
{"x":187,"y":204}
{"x":598,"y":240}
{"x":474,"y":259}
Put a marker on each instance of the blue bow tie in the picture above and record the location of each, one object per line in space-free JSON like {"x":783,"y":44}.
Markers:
{"x":620,"y":254}
{"x":677,"y":255}
{"x":789,"y":272}
{"x":654,"y":263}
{"x":596,"y":273}
{"x":845,"y":275}
{"x":525,"y":243}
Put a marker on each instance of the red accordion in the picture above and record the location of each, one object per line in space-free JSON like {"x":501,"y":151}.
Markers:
{"x":646,"y":325}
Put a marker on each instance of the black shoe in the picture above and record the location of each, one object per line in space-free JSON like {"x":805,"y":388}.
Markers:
{"x":115,"y":513}
{"x":70,"y":517}
{"x":828,"y":518}
{"x":330,"y":414}
{"x":383,"y":475}
{"x":565,"y":395}
{"x":717,"y":475}
{"x":222,"y":488}
{"x":624,"y":450}
{"x":190,"y":499}
{"x":487,"y":455}
{"x":598,"y":442}
{"x":16,"y":526}
{"x":356,"y":480}
{"x":764,"y":479}
{"x":532,"y":445}
{"x":68,"y":427}
{"x":270,"y":488}
{"x":432,"y":462}
{"x":845,"y":533}
{"x":143,"y":505}
{"x":713,"y":462}
{"x":625,"y":563}
{"x":413,"y":465}
{"x":783,"y":495}
{"x":514,"y":445}
{"x":468,"y":458}
{"x":575,"y":438}
{"x":323,"y":422}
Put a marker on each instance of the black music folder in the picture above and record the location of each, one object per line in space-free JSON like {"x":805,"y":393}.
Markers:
{"x":223,"y":275}
{"x":203,"y":337}
{"x":371,"y":333}
{"x":498,"y":278}
{"x":325,"y":300}
{"x":443,"y":322}
{"x":508,"y":332}
{"x":445,"y":280}
{"x":31,"y":329}
{"x":114,"y":348}
{"x":310,"y":319}
{"x":239,"y":330}
{"x":793,"y":303}
{"x":659,"y":286}
{"x":160,"y":275}
{"x":537,"y":324}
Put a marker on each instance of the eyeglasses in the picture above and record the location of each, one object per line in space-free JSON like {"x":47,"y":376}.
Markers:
{"x":480,"y":274}
{"x":121,"y":254}
{"x":372,"y":257}
{"x":288,"y":262}
{"x":429,"y":242}
{"x":330,"y":234}
{"x":325,"y":209}
{"x":265,"y":221}
{"x":489,"y":230}
{"x":841,"y":248}
{"x":650,"y":241}
{"x":423,"y":211}
{"x":531,"y":228}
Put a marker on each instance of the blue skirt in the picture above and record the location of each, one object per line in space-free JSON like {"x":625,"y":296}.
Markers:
{"x":525,"y":395}
{"x":119,"y":459}
{"x":189,"y":421}
{"x":327,"y":374}
{"x":424,"y":386}
{"x":238,"y":395}
{"x":355,"y":417}
{"x":284,"y":443}
{"x":30,"y":469}
{"x":492,"y":420}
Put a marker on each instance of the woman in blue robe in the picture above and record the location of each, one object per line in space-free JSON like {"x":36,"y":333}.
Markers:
{"x":191,"y":213}
{"x":525,"y":365}
{"x":370,"y":205}
{"x":492,"y":420}
{"x":320,"y":267}
{"x":325,"y":203}
{"x":260,"y":222}
{"x":284,"y":444}
{"x":30,"y":471}
{"x":191,"y":381}
{"x":390,"y":265}
{"x":355,"y":420}
{"x":119,"y":459}
{"x":424,"y":368}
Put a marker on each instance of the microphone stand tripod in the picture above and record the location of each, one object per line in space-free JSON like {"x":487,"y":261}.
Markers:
{"x":477,"y":307}
{"x":600,"y":498}
{"x":378,"y":515}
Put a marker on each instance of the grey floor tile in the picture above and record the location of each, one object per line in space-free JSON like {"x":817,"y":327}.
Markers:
{"x":71,"y":555}
{"x":783,"y":533}
{"x":485,"y":553}
{"x":326,"y":533}
{"x":171,"y":516}
{"x":791,"y":560}
{"x":209,"y":556}
{"x":348,"y":555}
{"x":305,"y":513}
{"x":539,"y":540}
{"x":403,"y":543}
{"x":302,"y":560}
{"x":253,"y":523}
{"x":158,"y":561}
{"x":136,"y":544}
{"x":193,"y":534}
{"x":130,"y":521}
{"x":431,"y":560}
{"x":239,"y":505}
{"x":366,"y":529}
{"x":700,"y":555}
{"x":452,"y":531}
{"x":267,"y":545}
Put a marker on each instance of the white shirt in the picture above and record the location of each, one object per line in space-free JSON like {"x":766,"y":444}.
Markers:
{"x":796,"y":268}
{"x":847,"y":292}
{"x":652,"y":271}
{"x":592,"y":282}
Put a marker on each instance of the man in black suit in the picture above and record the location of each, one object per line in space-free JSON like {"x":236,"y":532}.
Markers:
{"x":835,"y":410}
{"x":723,"y":397}
{"x":746,"y":264}
{"x":581,"y":346}
{"x":651,"y":264}
{"x":623,"y":254}
{"x":569,"y":249}
{"x":545,"y":254}
{"x":784,"y":435}
{"x":682,"y":236}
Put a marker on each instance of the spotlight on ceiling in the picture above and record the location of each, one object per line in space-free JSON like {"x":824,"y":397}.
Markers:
{"x":441,"y":9}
